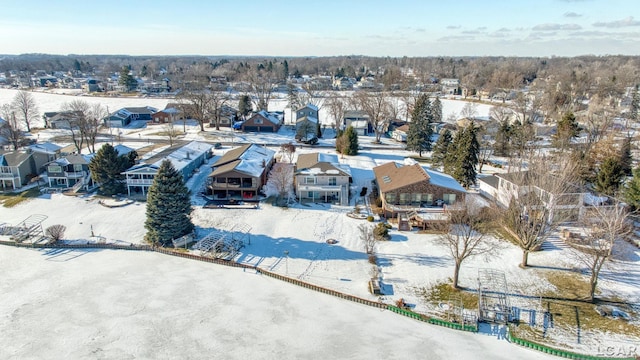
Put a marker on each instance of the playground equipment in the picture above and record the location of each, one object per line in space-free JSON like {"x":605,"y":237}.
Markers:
{"x":493,"y":298}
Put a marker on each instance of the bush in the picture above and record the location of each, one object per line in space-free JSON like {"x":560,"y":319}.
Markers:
{"x":370,"y":218}
{"x":56,"y":232}
{"x":381,"y":232}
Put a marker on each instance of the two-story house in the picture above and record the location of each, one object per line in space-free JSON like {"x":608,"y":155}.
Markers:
{"x":359,"y":120}
{"x":70,"y":171}
{"x":20,"y":166}
{"x":240,"y":173}
{"x":186,"y":159}
{"x":321,"y":177}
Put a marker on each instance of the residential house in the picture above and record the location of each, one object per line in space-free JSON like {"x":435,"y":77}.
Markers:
{"x":186,"y":159}
{"x":342,"y":83}
{"x":262,"y":121}
{"x":125,"y":116}
{"x":570,"y":205}
{"x":240,"y":173}
{"x":91,"y":85}
{"x":309,"y":111}
{"x":60,"y":119}
{"x":228,"y":116}
{"x":410,"y":187}
{"x":166,"y":115}
{"x":400,"y":133}
{"x":321,"y":177}
{"x":488,"y":187}
{"x":18,"y":167}
{"x":70,"y":171}
{"x":450,"y":86}
{"x":359,"y":120}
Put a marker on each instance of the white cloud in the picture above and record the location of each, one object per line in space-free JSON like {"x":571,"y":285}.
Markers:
{"x":628,"y":21}
{"x":571,"y":14}
{"x":555,"y":27}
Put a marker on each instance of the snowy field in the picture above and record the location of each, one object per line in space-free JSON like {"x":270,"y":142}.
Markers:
{"x":192,"y":309}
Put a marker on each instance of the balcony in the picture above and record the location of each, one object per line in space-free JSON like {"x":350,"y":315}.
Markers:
{"x":139,"y":182}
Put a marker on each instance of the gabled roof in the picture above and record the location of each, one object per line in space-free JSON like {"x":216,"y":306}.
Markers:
{"x":179,"y":155}
{"x":73,"y":159}
{"x":307,"y":118}
{"x":14,"y":158}
{"x":46,"y":147}
{"x":122,"y":149}
{"x":248,"y":159}
{"x":269,"y":116}
{"x":318,"y":163}
{"x":308,"y":106}
{"x":392,"y":176}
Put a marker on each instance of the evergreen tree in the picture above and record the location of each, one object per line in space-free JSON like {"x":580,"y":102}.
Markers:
{"x":285,"y":70}
{"x":451,"y":157}
{"x":609,"y":177}
{"x":419,"y":134}
{"x":626,"y":160}
{"x":126,"y":79}
{"x":441,"y":148}
{"x":634,"y":111}
{"x":107,"y":167}
{"x":567,"y":129}
{"x":467,"y":150}
{"x":632,"y":190}
{"x":168,"y":207}
{"x":347,"y":142}
{"x":501,"y":146}
{"x":318,"y":130}
{"x":436,"y":110}
{"x":244,"y":105}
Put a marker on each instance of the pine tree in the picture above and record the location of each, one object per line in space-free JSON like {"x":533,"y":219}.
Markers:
{"x":420,"y":132}
{"x":168,"y":207}
{"x":436,"y":110}
{"x":609,"y":176}
{"x":635,"y":104}
{"x":126,"y":79}
{"x":318,"y":130}
{"x":632,"y":190}
{"x":501,"y":146}
{"x":106,"y":170}
{"x":567,"y":129}
{"x":244,"y":106}
{"x":441,"y":148}
{"x":351,"y":141}
{"x":626,"y":159}
{"x":452,"y":156}
{"x":467,"y":150}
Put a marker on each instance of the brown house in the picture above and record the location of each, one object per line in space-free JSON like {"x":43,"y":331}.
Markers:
{"x":405,"y":188}
{"x":262,"y":121}
{"x":240,"y":173}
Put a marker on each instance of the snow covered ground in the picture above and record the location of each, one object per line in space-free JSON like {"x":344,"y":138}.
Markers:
{"x":208,"y":309}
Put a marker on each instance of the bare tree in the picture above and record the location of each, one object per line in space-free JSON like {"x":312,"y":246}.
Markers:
{"x":500,"y":113}
{"x":376,"y":105}
{"x":288,"y":150}
{"x":25,"y":106}
{"x":196,"y":105}
{"x":171,"y":132}
{"x":10,"y":129}
{"x":469,"y":111}
{"x":603,"y":227}
{"x":539,"y":191}
{"x":85,"y":122}
{"x":218,"y":98}
{"x":464,"y":236}
{"x":261,"y":82}
{"x":368,"y":238}
{"x":56,"y":232}
{"x":280,"y":183}
{"x":336,"y":106}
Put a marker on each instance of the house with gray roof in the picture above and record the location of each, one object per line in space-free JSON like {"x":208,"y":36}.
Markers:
{"x":186,"y":159}
{"x":125,"y":116}
{"x":70,"y":171}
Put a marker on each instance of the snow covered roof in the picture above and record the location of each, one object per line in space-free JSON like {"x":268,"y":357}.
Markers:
{"x":122,"y":149}
{"x":307,"y":118}
{"x":46,"y":147}
{"x":309,"y":106}
{"x":269,"y":116}
{"x":321,"y":164}
{"x":392,"y":176}
{"x":180,"y":156}
{"x":249,"y":159}
{"x":73,"y":159}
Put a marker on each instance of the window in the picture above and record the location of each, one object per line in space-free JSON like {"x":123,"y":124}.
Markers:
{"x":258,"y":121}
{"x":310,"y":194}
{"x":309,"y":180}
{"x":54,"y":168}
{"x":427,"y":199}
{"x":449,"y":199}
{"x":404,"y":198}
{"x":333,"y":181}
{"x":390,"y":198}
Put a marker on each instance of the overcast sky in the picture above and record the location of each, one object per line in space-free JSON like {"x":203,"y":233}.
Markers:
{"x":319,"y":28}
